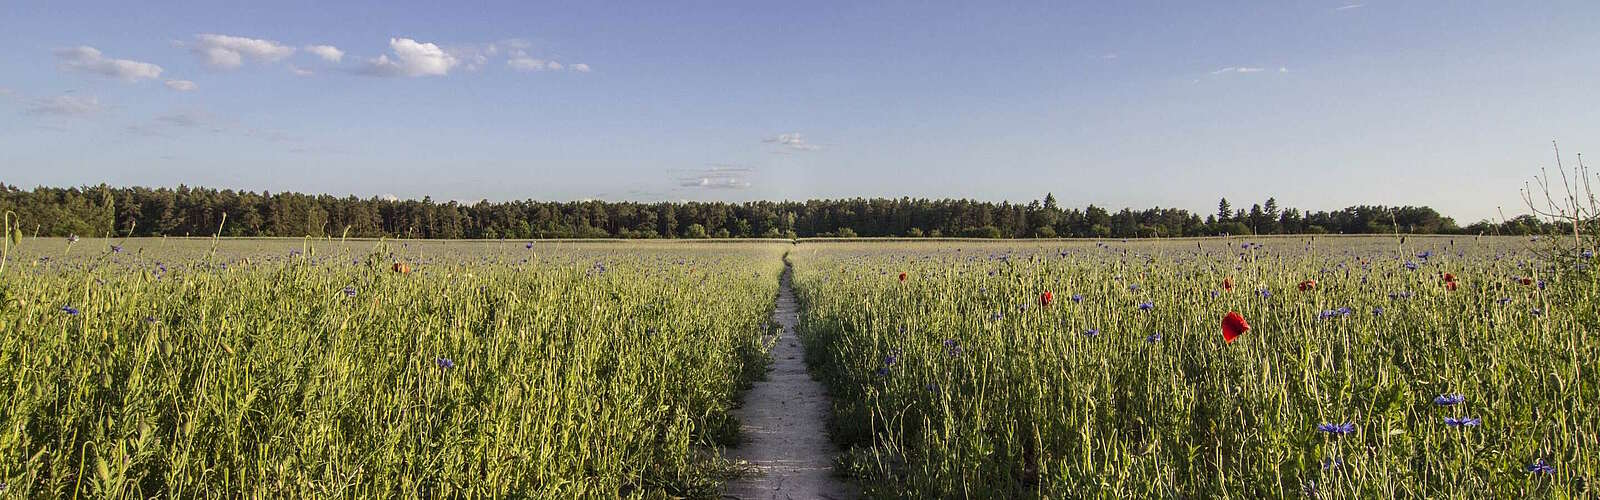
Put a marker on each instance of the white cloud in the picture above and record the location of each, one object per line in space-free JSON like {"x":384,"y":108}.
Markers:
{"x":299,"y":71}
{"x":228,"y":52}
{"x":1283,"y":69}
{"x":525,"y":63}
{"x":1351,"y":6}
{"x":792,"y":141}
{"x":412,"y":59}
{"x":181,"y":85}
{"x":581,"y":68}
{"x":326,"y":52}
{"x":90,"y":60}
{"x":1238,"y":69}
{"x":717,"y":178}
{"x":65,"y":105}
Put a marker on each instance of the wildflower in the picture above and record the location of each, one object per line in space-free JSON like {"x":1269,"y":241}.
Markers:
{"x":1462,"y":422}
{"x":1450,"y":286}
{"x":1541,"y":284}
{"x":1227,"y":284}
{"x":1587,"y":254}
{"x":902,"y":277}
{"x":1046,"y":298}
{"x":529,"y":245}
{"x":71,"y":311}
{"x":997,"y":316}
{"x":1146,"y":306}
{"x":1344,"y":311}
{"x":1153,"y":338}
{"x":349,"y":291}
{"x":1526,"y":281}
{"x":1307,"y":285}
{"x":444,"y":363}
{"x":1411,"y":265}
{"x":1377,"y":311}
{"x":1541,"y":467}
{"x":1264,"y":293}
{"x":1332,"y":463}
{"x":116,"y":248}
{"x":1425,"y":254}
{"x":72,"y":238}
{"x":952,"y":348}
{"x":1537,"y":311}
{"x":883,"y":371}
{"x":1337,"y":429}
{"x":1233,"y":325}
{"x":1077,"y":298}
{"x":1449,"y":399}
{"x":1133,"y":287}
{"x":891,"y":358}
{"x":1503,"y":300}
{"x":1092,"y":332}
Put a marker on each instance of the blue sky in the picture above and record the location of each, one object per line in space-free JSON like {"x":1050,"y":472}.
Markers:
{"x":1321,"y":104}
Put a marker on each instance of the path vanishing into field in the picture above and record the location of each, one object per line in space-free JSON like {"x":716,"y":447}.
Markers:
{"x":784,"y":423}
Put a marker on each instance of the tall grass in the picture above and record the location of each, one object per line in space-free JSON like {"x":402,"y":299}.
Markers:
{"x":959,"y":382}
{"x":493,"y":369}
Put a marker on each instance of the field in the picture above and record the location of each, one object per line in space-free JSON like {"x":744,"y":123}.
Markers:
{"x":286,"y":368}
{"x":1373,"y":367}
{"x":953,"y":374}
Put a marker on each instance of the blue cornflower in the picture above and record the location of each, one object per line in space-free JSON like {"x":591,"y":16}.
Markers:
{"x":1425,"y":254}
{"x":1264,"y":293}
{"x":1146,"y":306}
{"x":444,"y":363}
{"x":1503,"y":300}
{"x":1332,"y":463}
{"x":116,"y":248}
{"x":1542,"y":284}
{"x":952,"y":348}
{"x":1153,"y":338}
{"x":883,"y":371}
{"x":1377,"y":311}
{"x":71,"y":311}
{"x":294,"y":251}
{"x":1411,"y":265}
{"x":1462,"y":422}
{"x":1077,"y":298}
{"x":1092,"y":332}
{"x":1587,"y":254}
{"x":349,"y":291}
{"x":1344,"y":311}
{"x":1537,"y":311}
{"x":1327,"y":314}
{"x":1337,"y":429}
{"x":891,"y":358}
{"x":1449,"y":399}
{"x":1541,"y":467}
{"x":529,"y":245}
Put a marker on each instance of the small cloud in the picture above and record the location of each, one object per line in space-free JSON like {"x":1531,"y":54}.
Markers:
{"x":229,"y":52}
{"x":1237,"y":69}
{"x":525,"y":63}
{"x":326,"y":52}
{"x":181,"y":85}
{"x":717,"y":178}
{"x":1350,"y":6}
{"x":1283,"y":69}
{"x":581,"y":68}
{"x":791,"y":141}
{"x":411,"y":58}
{"x":298,"y":71}
{"x":65,"y":105}
{"x":186,"y":119}
{"x":90,"y":60}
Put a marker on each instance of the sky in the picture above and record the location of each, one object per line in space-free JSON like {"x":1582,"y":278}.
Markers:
{"x":1321,"y":104}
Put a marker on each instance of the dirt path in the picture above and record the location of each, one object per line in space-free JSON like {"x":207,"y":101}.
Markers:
{"x":785,"y":435}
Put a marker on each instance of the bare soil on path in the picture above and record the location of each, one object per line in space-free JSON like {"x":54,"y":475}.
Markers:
{"x":784,"y":424}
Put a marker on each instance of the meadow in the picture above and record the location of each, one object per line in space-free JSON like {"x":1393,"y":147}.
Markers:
{"x":287,"y":368}
{"x":1374,"y":367}
{"x":1388,"y":367}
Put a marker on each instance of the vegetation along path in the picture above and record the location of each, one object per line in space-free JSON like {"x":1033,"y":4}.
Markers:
{"x":783,"y":418}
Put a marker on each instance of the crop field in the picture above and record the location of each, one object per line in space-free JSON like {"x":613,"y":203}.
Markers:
{"x":1373,"y":368}
{"x":295,"y":369}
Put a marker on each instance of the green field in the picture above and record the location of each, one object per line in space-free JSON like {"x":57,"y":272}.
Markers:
{"x":311,"y":368}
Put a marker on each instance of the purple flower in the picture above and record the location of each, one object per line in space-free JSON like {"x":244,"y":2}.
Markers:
{"x":444,"y":363}
{"x":1541,"y":467}
{"x":1146,"y":306}
{"x":1345,"y":311}
{"x":529,"y":245}
{"x":71,"y":311}
{"x":1587,"y":254}
{"x":1537,"y":311}
{"x":349,"y":291}
{"x":116,"y":248}
{"x":1462,"y":422}
{"x":952,"y":348}
{"x":72,"y":239}
{"x":1449,"y":399}
{"x":1153,"y":338}
{"x":1377,"y":311}
{"x":1092,"y":332}
{"x":1077,"y":298}
{"x":1411,"y":265}
{"x":1133,"y":288}
{"x":1264,"y":293}
{"x":1337,"y":429}
{"x":1332,"y":463}
{"x":1503,"y":300}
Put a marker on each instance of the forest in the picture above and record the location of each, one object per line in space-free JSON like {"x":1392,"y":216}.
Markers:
{"x":197,"y":211}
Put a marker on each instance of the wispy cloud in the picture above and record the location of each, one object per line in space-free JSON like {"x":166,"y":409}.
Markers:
{"x":65,"y":105}
{"x":1238,"y":69}
{"x":792,"y":141}
{"x":229,"y":52}
{"x":89,"y":60}
{"x":717,"y":177}
{"x":1350,"y":6}
{"x":181,"y":85}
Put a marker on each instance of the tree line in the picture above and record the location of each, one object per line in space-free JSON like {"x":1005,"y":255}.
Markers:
{"x":197,"y":211}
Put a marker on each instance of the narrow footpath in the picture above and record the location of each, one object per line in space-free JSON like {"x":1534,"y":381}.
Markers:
{"x":784,"y":424}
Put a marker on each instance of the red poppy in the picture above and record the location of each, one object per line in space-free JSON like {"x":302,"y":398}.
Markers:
{"x":1046,"y":298}
{"x":1227,"y":284}
{"x":1449,"y":278}
{"x":1233,"y":325}
{"x":902,"y":277}
{"x":1308,"y":285}
{"x":1526,"y":281}
{"x":1450,"y":285}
